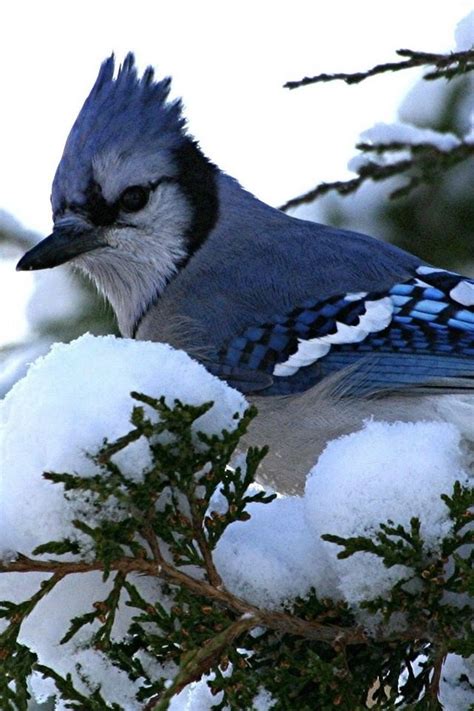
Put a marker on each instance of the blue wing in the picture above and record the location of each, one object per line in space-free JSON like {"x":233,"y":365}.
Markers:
{"x":419,"y":334}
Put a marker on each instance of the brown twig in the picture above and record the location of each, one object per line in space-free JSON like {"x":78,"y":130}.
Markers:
{"x":433,"y":689}
{"x":344,"y":187}
{"x":425,"y":158}
{"x":211,"y":570}
{"x":198,"y":661}
{"x":446,"y":66}
{"x":279,"y":621}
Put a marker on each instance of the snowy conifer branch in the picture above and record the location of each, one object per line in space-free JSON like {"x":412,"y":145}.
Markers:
{"x":423,"y":157}
{"x":445,"y":66}
{"x":425,"y":163}
{"x":161,"y":525}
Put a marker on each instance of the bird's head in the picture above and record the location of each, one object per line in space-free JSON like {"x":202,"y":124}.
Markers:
{"x":133,"y":196}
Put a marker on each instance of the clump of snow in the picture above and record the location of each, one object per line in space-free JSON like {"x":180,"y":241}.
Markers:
{"x":69,"y":401}
{"x":464,"y":33}
{"x":17,"y":360}
{"x":407,"y":133}
{"x":197,"y":697}
{"x":274,"y":556}
{"x":457,"y":683}
{"x":384,"y":472}
{"x":403,"y":133}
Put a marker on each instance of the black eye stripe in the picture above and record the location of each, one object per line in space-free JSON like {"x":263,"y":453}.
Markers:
{"x":135,"y":197}
{"x":102,"y":213}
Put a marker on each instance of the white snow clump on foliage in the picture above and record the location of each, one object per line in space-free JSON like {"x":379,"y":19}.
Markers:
{"x":79,"y":394}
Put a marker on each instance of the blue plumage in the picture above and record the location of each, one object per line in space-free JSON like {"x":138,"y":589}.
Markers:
{"x":429,"y":336}
{"x":271,"y":303}
{"x":123,"y":115}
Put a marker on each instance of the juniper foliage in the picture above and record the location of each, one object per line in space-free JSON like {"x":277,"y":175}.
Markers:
{"x":310,"y":655}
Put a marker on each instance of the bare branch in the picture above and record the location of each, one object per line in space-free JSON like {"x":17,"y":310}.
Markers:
{"x":446,"y":65}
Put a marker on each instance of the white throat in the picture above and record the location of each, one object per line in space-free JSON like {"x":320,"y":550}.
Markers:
{"x":141,"y":258}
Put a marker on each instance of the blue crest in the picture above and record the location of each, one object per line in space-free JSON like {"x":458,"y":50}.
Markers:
{"x":127,"y":113}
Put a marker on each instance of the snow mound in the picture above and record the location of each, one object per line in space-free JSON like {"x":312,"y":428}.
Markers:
{"x":464,"y":34}
{"x":274,"y":556}
{"x":457,"y":683}
{"x":69,"y":401}
{"x":386,"y":471}
{"x":72,"y":399}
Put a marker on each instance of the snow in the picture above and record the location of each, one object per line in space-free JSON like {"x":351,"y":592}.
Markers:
{"x":273,"y":557}
{"x":197,"y":697}
{"x":67,"y":403}
{"x":384,"y":472}
{"x":464,"y":33}
{"x":407,"y":133}
{"x":79,"y":393}
{"x":457,"y":683}
{"x":404,"y":133}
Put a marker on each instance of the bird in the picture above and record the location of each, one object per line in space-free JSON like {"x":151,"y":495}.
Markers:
{"x":319,"y":327}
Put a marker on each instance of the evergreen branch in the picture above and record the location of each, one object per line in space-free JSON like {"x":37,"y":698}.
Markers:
{"x":200,"y":660}
{"x":93,"y":702}
{"x":16,"y":613}
{"x":445,"y":65}
{"x":279,"y":621}
{"x":197,"y":523}
{"x":426,"y":162}
{"x":166,"y":524}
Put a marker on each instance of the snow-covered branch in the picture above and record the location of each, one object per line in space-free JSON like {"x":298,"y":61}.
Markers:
{"x":417,"y":156}
{"x":415,"y":163}
{"x":159,"y":560}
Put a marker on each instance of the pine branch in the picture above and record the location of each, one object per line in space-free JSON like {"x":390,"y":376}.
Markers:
{"x":445,"y":66}
{"x":166,"y":530}
{"x":425,"y":164}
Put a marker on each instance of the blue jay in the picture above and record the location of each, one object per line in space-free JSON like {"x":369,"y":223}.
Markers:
{"x":296,"y":315}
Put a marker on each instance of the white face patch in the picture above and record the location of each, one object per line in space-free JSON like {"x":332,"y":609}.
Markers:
{"x":144,"y":253}
{"x":115,"y":172}
{"x":377,"y":317}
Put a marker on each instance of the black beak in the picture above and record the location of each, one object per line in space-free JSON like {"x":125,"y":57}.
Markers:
{"x":63,"y":244}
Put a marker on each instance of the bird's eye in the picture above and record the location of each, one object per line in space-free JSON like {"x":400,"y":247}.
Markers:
{"x":134,"y":198}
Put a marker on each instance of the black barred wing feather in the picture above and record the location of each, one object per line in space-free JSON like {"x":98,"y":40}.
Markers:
{"x":419,"y":333}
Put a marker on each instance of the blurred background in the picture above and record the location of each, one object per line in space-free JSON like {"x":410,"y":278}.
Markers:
{"x":229,"y":62}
